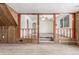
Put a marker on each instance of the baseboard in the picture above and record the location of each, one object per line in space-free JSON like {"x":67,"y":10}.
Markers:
{"x":68,"y":42}
{"x":77,"y":43}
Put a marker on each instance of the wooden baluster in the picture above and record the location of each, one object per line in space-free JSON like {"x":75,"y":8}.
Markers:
{"x":26,"y":32}
{"x":70,"y":33}
{"x":30,"y":32}
{"x":67,"y":32}
{"x":58,"y":33}
{"x":23,"y":33}
{"x":61,"y":32}
{"x":64,"y":32}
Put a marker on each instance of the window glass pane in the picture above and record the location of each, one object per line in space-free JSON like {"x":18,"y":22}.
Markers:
{"x":66,"y":21}
{"x":61,"y":23}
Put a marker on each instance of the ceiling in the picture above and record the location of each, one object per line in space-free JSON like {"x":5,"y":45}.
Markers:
{"x":45,"y":7}
{"x":46,"y":17}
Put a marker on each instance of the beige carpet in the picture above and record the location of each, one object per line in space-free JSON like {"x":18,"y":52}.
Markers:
{"x":38,"y":49}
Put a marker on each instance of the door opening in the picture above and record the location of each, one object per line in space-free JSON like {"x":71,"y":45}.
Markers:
{"x":46,"y":28}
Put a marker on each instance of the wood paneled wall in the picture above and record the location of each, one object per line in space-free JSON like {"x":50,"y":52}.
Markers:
{"x":77,"y":27}
{"x":8,"y":34}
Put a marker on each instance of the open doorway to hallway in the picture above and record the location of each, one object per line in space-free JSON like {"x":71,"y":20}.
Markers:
{"x":46,"y":26}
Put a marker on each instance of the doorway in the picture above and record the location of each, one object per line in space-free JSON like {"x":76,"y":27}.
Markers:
{"x":46,"y":26}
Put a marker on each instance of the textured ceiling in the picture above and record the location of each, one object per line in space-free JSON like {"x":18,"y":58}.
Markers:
{"x":44,"y":7}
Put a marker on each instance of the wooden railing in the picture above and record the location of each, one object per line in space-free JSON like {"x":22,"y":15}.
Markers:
{"x":27,"y":33}
{"x":64,"y":32}
{"x":60,"y":32}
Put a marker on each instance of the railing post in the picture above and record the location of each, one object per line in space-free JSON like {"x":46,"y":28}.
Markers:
{"x":64,"y":33}
{"x":54,"y":15}
{"x":19,"y":20}
{"x":73,"y":26}
{"x":67,"y":32}
{"x":38,"y":27}
{"x":57,"y":33}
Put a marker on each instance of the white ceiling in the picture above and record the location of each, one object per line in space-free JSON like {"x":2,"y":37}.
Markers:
{"x":45,"y":7}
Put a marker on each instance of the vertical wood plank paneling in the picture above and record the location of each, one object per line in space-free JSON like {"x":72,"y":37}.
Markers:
{"x":73,"y":26}
{"x":19,"y":24}
{"x":38,"y":27}
{"x":54,"y":15}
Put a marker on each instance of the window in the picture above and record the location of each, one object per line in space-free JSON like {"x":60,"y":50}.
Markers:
{"x":61,"y":23}
{"x":64,"y":22}
{"x":34,"y":28}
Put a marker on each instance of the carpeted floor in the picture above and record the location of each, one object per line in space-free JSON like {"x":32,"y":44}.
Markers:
{"x":38,"y":49}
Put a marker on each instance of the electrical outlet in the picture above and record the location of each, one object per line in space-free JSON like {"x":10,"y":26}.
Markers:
{"x":3,"y":36}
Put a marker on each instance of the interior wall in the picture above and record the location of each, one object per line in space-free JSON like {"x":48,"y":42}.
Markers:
{"x":3,"y":34}
{"x":77,"y":27}
{"x":46,"y":26}
{"x":8,"y":34}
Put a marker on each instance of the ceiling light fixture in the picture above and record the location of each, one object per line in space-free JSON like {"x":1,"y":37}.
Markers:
{"x":43,"y":19}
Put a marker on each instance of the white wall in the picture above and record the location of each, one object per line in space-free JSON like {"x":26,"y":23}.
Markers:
{"x":46,"y":26}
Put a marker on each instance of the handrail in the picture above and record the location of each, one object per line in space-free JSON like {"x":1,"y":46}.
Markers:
{"x":64,"y":32}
